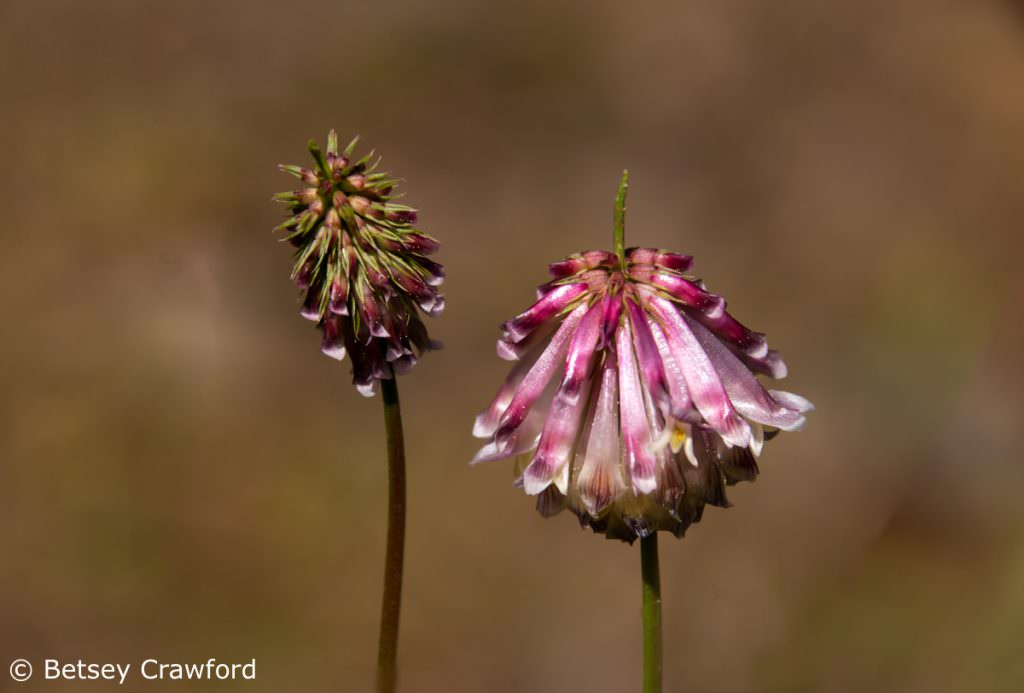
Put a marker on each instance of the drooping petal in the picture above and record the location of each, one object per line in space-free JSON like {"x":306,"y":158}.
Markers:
{"x":539,"y":375}
{"x":669,"y":482}
{"x":311,"y":306}
{"x":679,"y":396}
{"x":793,"y":401}
{"x":541,"y":311}
{"x":747,"y":394}
{"x":683,"y":290}
{"x":710,"y":310}
{"x":651,"y":365}
{"x":487,"y":421}
{"x":611,"y":310}
{"x":522,"y":440}
{"x":600,"y":476}
{"x":581,"y":352}
{"x":550,"y":464}
{"x":636,"y":429}
{"x":333,"y":343}
{"x":551,"y":461}
{"x":512,"y":351}
{"x":702,"y":381}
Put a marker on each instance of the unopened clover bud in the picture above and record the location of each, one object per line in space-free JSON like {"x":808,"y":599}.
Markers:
{"x":359,"y":203}
{"x":360,"y":265}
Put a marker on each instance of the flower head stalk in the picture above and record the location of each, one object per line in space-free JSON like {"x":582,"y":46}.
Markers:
{"x":361,"y":263}
{"x":634,"y":399}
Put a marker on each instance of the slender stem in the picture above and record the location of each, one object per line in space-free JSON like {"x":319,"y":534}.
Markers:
{"x":652,"y":613}
{"x":393,"y":558}
{"x":619,"y":218}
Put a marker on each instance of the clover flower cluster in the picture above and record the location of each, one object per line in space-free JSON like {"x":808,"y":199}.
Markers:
{"x":362,"y":265}
{"x":634,"y":396}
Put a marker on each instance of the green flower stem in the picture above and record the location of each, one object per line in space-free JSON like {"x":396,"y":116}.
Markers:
{"x":652,"y":613}
{"x":394,"y":553}
{"x":619,"y":218}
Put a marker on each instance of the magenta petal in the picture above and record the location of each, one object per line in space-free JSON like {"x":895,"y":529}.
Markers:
{"x":575,"y":264}
{"x":702,"y":381}
{"x":541,"y":311}
{"x":636,"y":430}
{"x":581,"y":353}
{"x":726,"y":327}
{"x":611,"y":310}
{"x":679,"y":396}
{"x":690,"y":293}
{"x":710,"y":310}
{"x":649,"y":358}
{"x":521,"y":440}
{"x":539,"y":375}
{"x":747,"y":394}
{"x":652,"y":256}
{"x":513,"y":350}
{"x":550,"y":464}
{"x":487,"y":422}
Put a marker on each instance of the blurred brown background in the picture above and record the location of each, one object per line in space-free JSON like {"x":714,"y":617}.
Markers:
{"x":184,"y":476}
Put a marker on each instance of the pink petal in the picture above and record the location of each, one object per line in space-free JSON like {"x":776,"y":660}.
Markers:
{"x":521,"y":440}
{"x":747,"y":394}
{"x":682,"y":289}
{"x":653,"y":256}
{"x":512,"y":351}
{"x":710,"y":310}
{"x":636,"y":430}
{"x":550,"y":464}
{"x":487,"y":422}
{"x":537,"y":378}
{"x":679,"y":396}
{"x":581,"y":353}
{"x":547,"y":307}
{"x":648,"y":356}
{"x":575,"y":264}
{"x":600,"y":478}
{"x":702,"y":381}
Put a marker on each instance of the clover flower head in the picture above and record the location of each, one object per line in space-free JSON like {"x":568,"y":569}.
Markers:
{"x":634,"y":396}
{"x":361,"y":264}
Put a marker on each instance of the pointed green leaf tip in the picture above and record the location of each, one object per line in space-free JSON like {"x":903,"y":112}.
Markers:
{"x":314,"y":149}
{"x":350,"y":148}
{"x":619,"y":217}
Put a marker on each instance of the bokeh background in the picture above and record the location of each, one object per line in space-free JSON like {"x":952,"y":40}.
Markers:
{"x":183,"y":476}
